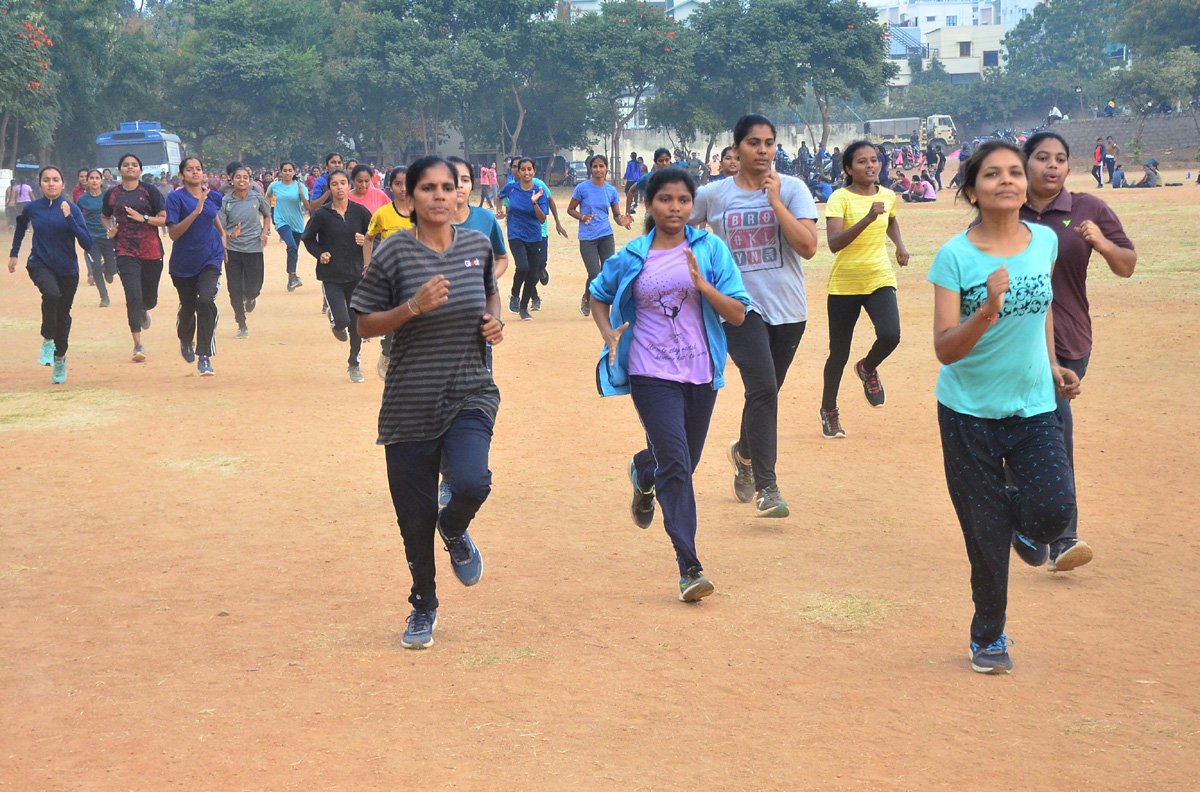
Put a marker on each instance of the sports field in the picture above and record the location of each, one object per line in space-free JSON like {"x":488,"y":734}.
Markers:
{"x":202,"y":586}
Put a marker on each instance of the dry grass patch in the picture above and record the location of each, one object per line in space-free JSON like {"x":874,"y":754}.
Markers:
{"x":845,"y":613}
{"x":67,"y":409}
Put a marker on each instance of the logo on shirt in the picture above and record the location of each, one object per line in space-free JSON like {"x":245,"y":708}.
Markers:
{"x":754,"y":239}
{"x":1067,"y":223}
{"x":473,"y":262}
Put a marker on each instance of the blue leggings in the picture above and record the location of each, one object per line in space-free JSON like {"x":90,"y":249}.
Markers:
{"x":291,"y":239}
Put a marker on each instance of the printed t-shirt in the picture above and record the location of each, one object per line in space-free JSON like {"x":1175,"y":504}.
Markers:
{"x":387,"y":221}
{"x":485,"y":222}
{"x":250,"y":213}
{"x":597,"y":201}
{"x":135,"y":238}
{"x":374,"y":200}
{"x":288,"y":204}
{"x":669,"y":339}
{"x":862,"y":266}
{"x":93,"y":209}
{"x":438,"y":366}
{"x":200,"y":246}
{"x":1007,"y":373}
{"x":772,"y":272}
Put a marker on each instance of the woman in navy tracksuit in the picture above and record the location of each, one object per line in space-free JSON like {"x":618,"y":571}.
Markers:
{"x":659,"y":304}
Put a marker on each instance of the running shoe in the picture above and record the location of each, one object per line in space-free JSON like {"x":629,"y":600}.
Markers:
{"x":585,"y":306}
{"x":419,"y":633}
{"x":770,"y":503}
{"x":464,"y":556}
{"x":145,"y":320}
{"x":544,"y":277}
{"x":204,"y":366}
{"x":108,"y":276}
{"x":535,"y":304}
{"x":1067,"y":554}
{"x":243,"y":331}
{"x":58,"y":375}
{"x":381,"y":367}
{"x":139,"y":354}
{"x":355,"y":373}
{"x":526,"y":316}
{"x":872,"y":388}
{"x":831,"y":425}
{"x":743,"y":476}
{"x":1033,"y":553}
{"x":104,"y":303}
{"x":249,"y":304}
{"x":340,"y":333}
{"x":694,"y":586}
{"x":46,"y":355}
{"x":642,"y":507}
{"x":993,"y":658}
{"x":188,"y":350}
{"x":443,"y":494}
{"x":514,"y":304}
{"x":293,"y":283}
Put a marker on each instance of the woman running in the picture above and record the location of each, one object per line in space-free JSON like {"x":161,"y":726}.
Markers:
{"x":291,"y":199}
{"x":994,"y":335}
{"x":1083,"y":223}
{"x":729,"y":162}
{"x":385,"y":222}
{"x":335,"y":236}
{"x":858,"y":220}
{"x":590,"y":204}
{"x":102,"y":257}
{"x":769,"y":222}
{"x":476,"y":218}
{"x":134,"y":212}
{"x":245,"y":224}
{"x":528,"y":207}
{"x":195,"y":267}
{"x":52,"y":266}
{"x":659,"y":305}
{"x":364,"y":191}
{"x":436,"y":288}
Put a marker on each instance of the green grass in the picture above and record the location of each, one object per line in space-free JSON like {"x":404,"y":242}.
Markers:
{"x":68,"y":409}
{"x":1091,"y":726}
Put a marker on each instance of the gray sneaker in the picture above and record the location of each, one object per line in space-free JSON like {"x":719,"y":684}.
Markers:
{"x":694,"y":586}
{"x":993,"y":658}
{"x":145,"y":320}
{"x":356,"y":374}
{"x":743,"y":476}
{"x":770,"y":503}
{"x":1068,"y":554}
{"x":243,"y":331}
{"x":139,"y":354}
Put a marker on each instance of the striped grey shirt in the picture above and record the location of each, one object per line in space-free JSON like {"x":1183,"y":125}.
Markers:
{"x":438,"y":365}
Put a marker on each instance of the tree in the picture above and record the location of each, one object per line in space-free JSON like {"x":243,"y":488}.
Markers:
{"x":26,"y":80}
{"x":1155,"y":27}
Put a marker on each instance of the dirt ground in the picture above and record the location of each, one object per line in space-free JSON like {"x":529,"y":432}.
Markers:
{"x":202,"y":586}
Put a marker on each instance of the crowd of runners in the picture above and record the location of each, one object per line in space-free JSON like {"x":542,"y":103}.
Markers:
{"x":717,"y":272}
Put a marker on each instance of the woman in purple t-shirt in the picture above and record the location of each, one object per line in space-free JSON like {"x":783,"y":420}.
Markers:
{"x":659,"y":304}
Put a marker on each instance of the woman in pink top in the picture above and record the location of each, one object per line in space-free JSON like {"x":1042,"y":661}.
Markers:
{"x":364,"y":193}
{"x":487,"y":185}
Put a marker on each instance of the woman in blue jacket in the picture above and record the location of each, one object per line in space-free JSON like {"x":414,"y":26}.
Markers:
{"x":659,"y":304}
{"x":54,"y":269}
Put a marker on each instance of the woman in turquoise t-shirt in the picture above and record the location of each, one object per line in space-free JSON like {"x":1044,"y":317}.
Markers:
{"x":994,"y":335}
{"x":289,"y":197}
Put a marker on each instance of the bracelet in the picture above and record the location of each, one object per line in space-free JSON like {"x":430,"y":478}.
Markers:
{"x":501,"y":321}
{"x":414,"y":305}
{"x":985,"y":316}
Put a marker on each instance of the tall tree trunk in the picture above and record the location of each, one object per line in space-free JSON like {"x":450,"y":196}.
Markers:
{"x":12,"y":163}
{"x":3,"y":135}
{"x":516,"y":133}
{"x":424,"y":133}
{"x":823,"y":106}
{"x":619,"y":122}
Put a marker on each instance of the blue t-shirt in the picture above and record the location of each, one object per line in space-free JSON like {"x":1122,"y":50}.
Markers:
{"x":320,"y":186}
{"x":485,"y":222}
{"x":200,"y":246}
{"x":522,"y":222}
{"x":1008,"y":372}
{"x":288,"y":206}
{"x":595,"y":201}
{"x":93,"y":207}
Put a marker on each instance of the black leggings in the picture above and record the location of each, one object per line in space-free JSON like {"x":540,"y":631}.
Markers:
{"x":58,"y":294}
{"x":843,"y":315}
{"x":530,"y":260}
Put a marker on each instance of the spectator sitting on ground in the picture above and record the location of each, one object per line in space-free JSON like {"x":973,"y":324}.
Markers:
{"x":923,"y":192}
{"x":902,"y":184}
{"x":822,"y":190}
{"x":1118,"y":177}
{"x":1149,"y":175}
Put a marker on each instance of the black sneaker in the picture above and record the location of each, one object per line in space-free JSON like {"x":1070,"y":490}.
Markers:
{"x":831,"y":425}
{"x":514,"y":304}
{"x":770,"y":503}
{"x":535,"y":304}
{"x":872,"y":388}
{"x":188,"y":350}
{"x":694,"y":586}
{"x":525,"y":315}
{"x":993,"y":658}
{"x":544,"y":277}
{"x":642,"y":507}
{"x":743,"y":476}
{"x":1033,"y":553}
{"x":1067,"y":554}
{"x":104,"y":303}
{"x":585,"y":305}
{"x":249,"y":304}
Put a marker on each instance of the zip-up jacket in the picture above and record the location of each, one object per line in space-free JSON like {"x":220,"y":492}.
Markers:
{"x":329,"y":232}
{"x":54,"y":236}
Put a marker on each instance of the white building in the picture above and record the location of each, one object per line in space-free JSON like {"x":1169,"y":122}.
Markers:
{"x":1013,"y":11}
{"x":929,"y":15}
{"x":679,"y":10}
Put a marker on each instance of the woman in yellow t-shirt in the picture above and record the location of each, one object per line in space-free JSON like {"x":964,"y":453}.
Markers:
{"x":858,"y":219}
{"x":386,"y":221}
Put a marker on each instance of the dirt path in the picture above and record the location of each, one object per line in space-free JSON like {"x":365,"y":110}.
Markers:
{"x":202,"y":585}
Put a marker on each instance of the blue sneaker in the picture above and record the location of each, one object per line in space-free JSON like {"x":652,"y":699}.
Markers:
{"x":443,"y":494}
{"x":46,"y":356}
{"x":204,"y":366}
{"x":464,"y":557}
{"x":419,"y":633}
{"x":1033,"y":553}
{"x":993,"y":658}
{"x":694,"y":586}
{"x":642,"y":506}
{"x":188,"y":350}
{"x":59,"y":374}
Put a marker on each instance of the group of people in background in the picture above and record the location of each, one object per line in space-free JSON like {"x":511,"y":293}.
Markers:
{"x":717,"y":272}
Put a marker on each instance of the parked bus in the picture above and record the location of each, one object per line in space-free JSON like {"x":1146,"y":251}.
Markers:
{"x":159,"y":151}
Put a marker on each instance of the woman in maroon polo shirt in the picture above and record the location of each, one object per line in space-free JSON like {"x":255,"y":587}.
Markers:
{"x":1083,"y":223}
